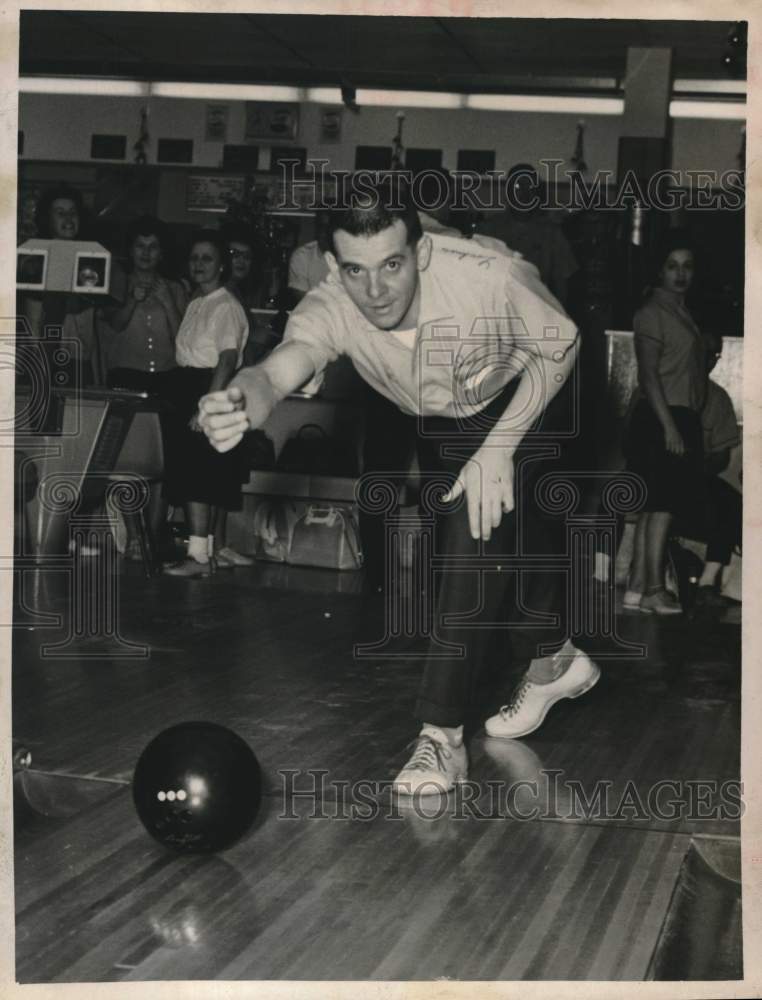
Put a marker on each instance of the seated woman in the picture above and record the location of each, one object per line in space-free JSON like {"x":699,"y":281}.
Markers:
{"x":209,"y":348}
{"x":664,"y":444}
{"x":139,"y":335}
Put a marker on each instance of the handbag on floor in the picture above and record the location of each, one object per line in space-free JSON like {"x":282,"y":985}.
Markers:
{"x":274,"y":522}
{"x":307,"y":534}
{"x":326,"y":536}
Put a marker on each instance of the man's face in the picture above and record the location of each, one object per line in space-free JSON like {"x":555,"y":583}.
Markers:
{"x":380,"y":274}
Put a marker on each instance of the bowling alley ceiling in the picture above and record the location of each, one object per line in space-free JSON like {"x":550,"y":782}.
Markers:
{"x":463,"y":54}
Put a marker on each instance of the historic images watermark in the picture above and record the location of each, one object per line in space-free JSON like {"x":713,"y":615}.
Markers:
{"x":314,"y":185}
{"x":549,"y":794}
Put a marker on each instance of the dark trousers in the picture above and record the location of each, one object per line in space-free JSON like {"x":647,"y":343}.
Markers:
{"x":390,"y":437}
{"x":717,"y":519}
{"x":724,"y":521}
{"x":485,"y":598}
{"x":474,"y":601}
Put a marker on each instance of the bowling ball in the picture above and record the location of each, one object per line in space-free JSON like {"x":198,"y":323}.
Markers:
{"x":197,"y":787}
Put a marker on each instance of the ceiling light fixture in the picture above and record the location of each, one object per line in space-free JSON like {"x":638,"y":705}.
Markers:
{"x":564,"y":104}
{"x":83,"y":86}
{"x":226,"y":91}
{"x":728,"y":110}
{"x":409,"y":99}
{"x":553,"y":104}
{"x":709,"y":87}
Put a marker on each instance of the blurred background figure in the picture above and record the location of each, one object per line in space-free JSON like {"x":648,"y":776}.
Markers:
{"x":60,"y":215}
{"x":138,"y":336}
{"x":307,"y":266}
{"x":719,"y":522}
{"x":246,"y":284}
{"x":209,"y":349}
{"x":665,"y":442}
{"x":524,"y":226}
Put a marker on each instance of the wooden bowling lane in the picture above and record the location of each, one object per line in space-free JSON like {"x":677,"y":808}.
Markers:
{"x":229,"y":651}
{"x":562,"y":895}
{"x":397,"y":896}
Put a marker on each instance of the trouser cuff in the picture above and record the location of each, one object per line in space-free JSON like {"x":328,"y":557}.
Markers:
{"x":438,"y":715}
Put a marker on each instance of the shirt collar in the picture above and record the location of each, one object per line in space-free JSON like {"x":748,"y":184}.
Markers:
{"x":667,"y":299}
{"x":430,"y":309}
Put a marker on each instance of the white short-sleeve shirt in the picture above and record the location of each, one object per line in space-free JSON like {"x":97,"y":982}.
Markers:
{"x":212,"y":323}
{"x":480,"y":312}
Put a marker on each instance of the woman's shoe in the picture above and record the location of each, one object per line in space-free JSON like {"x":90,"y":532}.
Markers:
{"x":189,"y":567}
{"x":227,"y":558}
{"x":631,"y":600}
{"x":660,"y":603}
{"x":133,"y":552}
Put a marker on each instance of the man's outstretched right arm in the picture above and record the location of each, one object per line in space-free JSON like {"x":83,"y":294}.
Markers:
{"x":253,"y":394}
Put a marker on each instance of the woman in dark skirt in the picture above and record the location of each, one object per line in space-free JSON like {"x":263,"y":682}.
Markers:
{"x":664,"y":445}
{"x":209,"y":349}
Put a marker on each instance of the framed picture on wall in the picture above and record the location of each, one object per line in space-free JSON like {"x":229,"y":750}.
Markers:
{"x":330,"y":124}
{"x":477,"y":161}
{"x":418,"y":160}
{"x":237,"y":157}
{"x":213,"y":192}
{"x":373,"y":158}
{"x":288,"y":154}
{"x":174,"y":151}
{"x":271,"y":120}
{"x":216,"y":122}
{"x":108,"y":147}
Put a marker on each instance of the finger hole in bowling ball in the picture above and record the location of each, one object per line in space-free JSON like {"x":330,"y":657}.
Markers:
{"x":219,"y":777}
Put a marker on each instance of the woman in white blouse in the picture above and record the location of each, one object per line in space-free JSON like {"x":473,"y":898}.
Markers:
{"x":209,"y":349}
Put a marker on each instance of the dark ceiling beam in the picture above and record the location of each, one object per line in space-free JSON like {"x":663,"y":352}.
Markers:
{"x":255,"y":21}
{"x":86,"y":25}
{"x":458,"y":42}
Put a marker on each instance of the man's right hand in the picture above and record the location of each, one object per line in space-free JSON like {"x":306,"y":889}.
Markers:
{"x":222,"y":416}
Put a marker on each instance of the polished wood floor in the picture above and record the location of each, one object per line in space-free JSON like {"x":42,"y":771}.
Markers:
{"x":473,"y":892}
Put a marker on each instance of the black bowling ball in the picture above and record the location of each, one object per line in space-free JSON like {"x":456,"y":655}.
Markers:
{"x":197,"y":787}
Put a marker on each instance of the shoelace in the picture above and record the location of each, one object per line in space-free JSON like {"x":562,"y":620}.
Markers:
{"x":429,"y":755}
{"x":516,"y":701}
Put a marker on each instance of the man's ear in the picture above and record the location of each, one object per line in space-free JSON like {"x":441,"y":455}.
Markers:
{"x":333,"y":264}
{"x":423,"y":252}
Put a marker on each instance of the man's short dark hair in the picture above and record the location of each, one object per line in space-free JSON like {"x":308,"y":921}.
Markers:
{"x":372,"y":208}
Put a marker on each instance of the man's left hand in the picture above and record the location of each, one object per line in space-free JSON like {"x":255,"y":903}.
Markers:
{"x":487,"y":481}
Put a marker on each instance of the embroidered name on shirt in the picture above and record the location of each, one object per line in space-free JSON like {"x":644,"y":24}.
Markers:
{"x":462,"y":254}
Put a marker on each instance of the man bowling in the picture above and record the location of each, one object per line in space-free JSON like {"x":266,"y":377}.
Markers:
{"x":474,"y":349}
